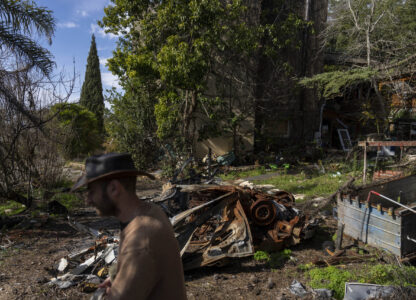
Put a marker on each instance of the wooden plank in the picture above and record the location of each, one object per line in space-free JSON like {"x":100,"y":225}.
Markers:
{"x":387,"y":143}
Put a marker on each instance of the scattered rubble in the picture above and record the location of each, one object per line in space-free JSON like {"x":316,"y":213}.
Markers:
{"x":299,"y":290}
{"x":87,"y":265}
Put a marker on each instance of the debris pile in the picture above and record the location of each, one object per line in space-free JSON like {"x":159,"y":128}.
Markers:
{"x":89,"y":265}
{"x":211,"y":223}
{"x":216,"y":222}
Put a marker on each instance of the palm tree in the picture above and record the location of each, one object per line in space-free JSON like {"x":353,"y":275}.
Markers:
{"x":21,"y":19}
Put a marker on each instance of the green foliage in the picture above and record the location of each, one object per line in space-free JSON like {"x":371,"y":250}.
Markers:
{"x":175,"y":50}
{"x":11,"y":208}
{"x":390,"y":275}
{"x":275,"y":259}
{"x":330,"y":278}
{"x":333,"y":84}
{"x":78,"y":129}
{"x":261,"y":256}
{"x":334,"y":278}
{"x":190,"y":60}
{"x":92,"y":89}
{"x":132,"y":127}
{"x":306,"y":267}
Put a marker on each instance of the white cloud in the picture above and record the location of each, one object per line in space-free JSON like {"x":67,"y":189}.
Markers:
{"x":67,"y":25}
{"x":110,"y":80}
{"x":95,"y":29}
{"x":85,"y":8}
{"x":82,"y":13}
{"x":103,"y":61}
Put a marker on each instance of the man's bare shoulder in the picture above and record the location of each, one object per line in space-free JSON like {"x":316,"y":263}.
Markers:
{"x":150,"y":223}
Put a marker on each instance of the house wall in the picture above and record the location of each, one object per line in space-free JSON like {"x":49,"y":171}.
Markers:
{"x":276,"y":112}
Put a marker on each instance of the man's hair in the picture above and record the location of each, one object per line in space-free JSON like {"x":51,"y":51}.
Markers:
{"x":129,"y":183}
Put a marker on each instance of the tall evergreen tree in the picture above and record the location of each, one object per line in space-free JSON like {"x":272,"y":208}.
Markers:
{"x":92,"y":89}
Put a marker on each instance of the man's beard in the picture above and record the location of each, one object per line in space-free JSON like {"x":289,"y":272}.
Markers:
{"x":106,"y":208}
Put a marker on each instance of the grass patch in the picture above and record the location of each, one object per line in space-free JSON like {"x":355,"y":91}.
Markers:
{"x":70,"y":201}
{"x":11,"y":207}
{"x":322,"y":185}
{"x":334,"y":278}
{"x":297,"y":181}
{"x":232,"y":175}
{"x":390,"y":275}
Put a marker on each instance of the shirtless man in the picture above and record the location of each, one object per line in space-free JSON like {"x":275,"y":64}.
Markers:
{"x":148,"y":264}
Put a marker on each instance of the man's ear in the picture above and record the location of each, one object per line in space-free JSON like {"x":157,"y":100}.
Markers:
{"x":114,"y":188}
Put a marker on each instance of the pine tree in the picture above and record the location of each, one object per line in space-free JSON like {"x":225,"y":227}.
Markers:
{"x":92,"y":89}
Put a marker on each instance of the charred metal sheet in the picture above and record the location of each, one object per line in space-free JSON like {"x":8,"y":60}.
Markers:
{"x":378,"y":222}
{"x":230,"y":236}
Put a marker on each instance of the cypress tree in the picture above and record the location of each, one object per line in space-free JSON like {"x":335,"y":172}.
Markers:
{"x":92,"y":89}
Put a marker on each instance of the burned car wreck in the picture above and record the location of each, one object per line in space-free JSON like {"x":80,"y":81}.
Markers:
{"x":212,"y":223}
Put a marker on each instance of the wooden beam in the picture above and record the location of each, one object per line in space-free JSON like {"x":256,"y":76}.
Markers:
{"x":387,"y":143}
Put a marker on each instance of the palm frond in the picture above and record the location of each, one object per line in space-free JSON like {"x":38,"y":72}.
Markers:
{"x":24,"y":17}
{"x":27,"y":49}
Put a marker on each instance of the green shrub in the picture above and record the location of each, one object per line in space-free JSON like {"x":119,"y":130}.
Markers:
{"x":262,"y":256}
{"x":275,"y":259}
{"x":330,"y":278}
{"x":78,"y":129}
{"x":390,"y":275}
{"x":334,"y":278}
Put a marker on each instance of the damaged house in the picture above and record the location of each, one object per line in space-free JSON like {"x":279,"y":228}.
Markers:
{"x":272,"y":111}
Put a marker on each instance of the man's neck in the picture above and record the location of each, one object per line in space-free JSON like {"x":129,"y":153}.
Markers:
{"x":128,"y":208}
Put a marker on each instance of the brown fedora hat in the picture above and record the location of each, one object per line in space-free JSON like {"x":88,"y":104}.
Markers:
{"x":111,"y":165}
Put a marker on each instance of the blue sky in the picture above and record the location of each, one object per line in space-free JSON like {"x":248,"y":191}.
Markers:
{"x":76,"y":21}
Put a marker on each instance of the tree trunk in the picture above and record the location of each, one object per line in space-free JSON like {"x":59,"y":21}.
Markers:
{"x":187,"y":117}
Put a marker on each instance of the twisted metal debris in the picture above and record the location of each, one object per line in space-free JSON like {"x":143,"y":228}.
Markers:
{"x":217,"y":222}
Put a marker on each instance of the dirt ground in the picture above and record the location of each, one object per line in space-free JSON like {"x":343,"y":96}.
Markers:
{"x":27,"y":265}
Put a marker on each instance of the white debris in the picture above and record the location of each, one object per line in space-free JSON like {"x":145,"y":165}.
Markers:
{"x":110,"y":257}
{"x":273,"y":191}
{"x":82,"y":267}
{"x":64,"y":284}
{"x":93,"y":279}
{"x":247,"y":184}
{"x":299,"y":196}
{"x":63,"y":264}
{"x":298,"y":289}
{"x":265,"y":187}
{"x":78,"y":253}
{"x":238,"y":181}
